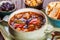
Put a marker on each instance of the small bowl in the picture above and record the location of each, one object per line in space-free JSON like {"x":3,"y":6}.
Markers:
{"x":39,"y":6}
{"x":3,"y":13}
{"x":54,"y":22}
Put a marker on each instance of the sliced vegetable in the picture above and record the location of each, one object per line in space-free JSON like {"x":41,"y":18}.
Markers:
{"x":19,"y":22}
{"x":31,"y":27}
{"x":34,"y":21}
{"x":18,"y":25}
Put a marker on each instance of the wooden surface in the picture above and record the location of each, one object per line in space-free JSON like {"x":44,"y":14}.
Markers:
{"x":20,"y":4}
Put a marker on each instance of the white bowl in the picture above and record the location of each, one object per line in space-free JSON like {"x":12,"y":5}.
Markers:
{"x":34,"y":35}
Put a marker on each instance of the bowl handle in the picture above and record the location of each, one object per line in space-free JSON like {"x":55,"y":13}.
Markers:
{"x":5,"y":34}
{"x":49,"y":28}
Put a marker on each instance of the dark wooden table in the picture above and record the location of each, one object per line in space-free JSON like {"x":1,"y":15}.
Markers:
{"x":20,"y":4}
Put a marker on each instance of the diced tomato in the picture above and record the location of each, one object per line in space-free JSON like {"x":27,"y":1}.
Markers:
{"x":22,"y":29}
{"x":18,"y":25}
{"x":31,"y":27}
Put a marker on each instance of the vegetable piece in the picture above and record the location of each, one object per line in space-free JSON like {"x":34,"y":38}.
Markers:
{"x":26,"y":26}
{"x":31,"y":27}
{"x":37,"y":27}
{"x":34,"y":21}
{"x":26,"y":15}
{"x":12,"y":19}
{"x":18,"y":25}
{"x":34,"y":3}
{"x":18,"y":29}
{"x":19,"y":22}
{"x":25,"y":30}
{"x":18,"y":15}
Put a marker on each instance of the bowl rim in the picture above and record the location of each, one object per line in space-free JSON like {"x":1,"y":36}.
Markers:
{"x":27,"y":11}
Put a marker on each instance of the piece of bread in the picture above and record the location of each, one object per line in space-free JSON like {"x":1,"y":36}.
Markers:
{"x":53,"y":10}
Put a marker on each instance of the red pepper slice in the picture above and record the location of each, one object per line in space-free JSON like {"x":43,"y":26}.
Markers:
{"x":18,"y":25}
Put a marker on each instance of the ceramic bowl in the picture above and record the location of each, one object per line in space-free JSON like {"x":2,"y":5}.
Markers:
{"x":34,"y":35}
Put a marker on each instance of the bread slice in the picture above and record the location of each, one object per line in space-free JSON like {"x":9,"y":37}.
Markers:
{"x":53,"y":10}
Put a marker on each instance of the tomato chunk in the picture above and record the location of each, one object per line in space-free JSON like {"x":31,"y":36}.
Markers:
{"x":18,"y":25}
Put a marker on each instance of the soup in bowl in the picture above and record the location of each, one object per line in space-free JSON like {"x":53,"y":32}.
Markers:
{"x":27,"y":21}
{"x":27,"y":24}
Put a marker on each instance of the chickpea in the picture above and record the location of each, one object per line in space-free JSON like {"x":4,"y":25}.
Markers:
{"x":28,"y":2}
{"x":27,"y":16}
{"x":25,"y":30}
{"x":12,"y":19}
{"x":18,"y":15}
{"x":18,"y":29}
{"x":31,"y":27}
